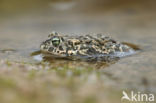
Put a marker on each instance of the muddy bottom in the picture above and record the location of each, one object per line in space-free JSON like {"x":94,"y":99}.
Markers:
{"x":28,"y":79}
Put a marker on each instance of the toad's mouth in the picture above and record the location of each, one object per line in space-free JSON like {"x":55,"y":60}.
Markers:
{"x":49,"y":54}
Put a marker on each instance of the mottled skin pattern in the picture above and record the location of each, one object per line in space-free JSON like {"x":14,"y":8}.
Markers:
{"x":86,"y":47}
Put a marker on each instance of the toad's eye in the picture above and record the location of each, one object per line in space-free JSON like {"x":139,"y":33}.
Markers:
{"x":56,"y":41}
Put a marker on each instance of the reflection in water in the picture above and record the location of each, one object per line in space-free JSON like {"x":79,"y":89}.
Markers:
{"x":76,"y":64}
{"x":56,"y":62}
{"x":38,"y":57}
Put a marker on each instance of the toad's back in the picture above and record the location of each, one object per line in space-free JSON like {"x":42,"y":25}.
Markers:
{"x":97,"y":47}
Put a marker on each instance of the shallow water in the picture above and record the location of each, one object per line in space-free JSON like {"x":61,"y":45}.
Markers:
{"x":23,"y":28}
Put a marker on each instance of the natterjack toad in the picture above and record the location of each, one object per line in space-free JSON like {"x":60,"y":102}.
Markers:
{"x":86,"y":47}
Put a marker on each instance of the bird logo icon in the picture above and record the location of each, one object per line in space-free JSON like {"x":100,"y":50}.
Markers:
{"x":125,"y":96}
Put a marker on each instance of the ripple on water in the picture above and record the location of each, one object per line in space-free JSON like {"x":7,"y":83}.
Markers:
{"x":8,"y":50}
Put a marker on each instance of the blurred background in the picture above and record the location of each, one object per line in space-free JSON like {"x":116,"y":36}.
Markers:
{"x":33,"y":20}
{"x":24,"y":24}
